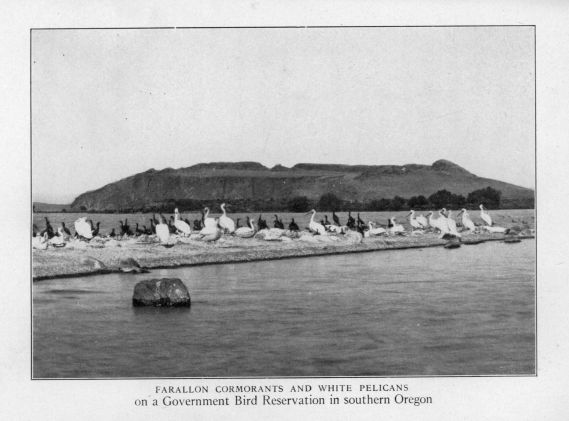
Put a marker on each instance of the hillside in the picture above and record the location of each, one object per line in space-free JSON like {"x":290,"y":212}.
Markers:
{"x":252,"y":181}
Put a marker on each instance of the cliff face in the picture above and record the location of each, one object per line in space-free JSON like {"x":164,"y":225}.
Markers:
{"x":251,"y":180}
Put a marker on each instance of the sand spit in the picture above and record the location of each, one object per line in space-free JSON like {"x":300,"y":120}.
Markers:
{"x":97,"y":258}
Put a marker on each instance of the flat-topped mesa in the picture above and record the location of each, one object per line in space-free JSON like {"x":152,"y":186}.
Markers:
{"x":252,"y":182}
{"x":244,"y":165}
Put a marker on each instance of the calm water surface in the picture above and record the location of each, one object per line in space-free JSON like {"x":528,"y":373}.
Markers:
{"x":468,"y":311}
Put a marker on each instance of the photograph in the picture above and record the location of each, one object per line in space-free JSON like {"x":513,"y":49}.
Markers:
{"x":283,"y":202}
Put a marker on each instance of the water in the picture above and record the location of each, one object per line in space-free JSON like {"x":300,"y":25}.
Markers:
{"x":468,"y":311}
{"x":506,"y":217}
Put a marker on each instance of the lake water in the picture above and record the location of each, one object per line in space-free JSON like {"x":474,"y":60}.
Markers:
{"x":432,"y":311}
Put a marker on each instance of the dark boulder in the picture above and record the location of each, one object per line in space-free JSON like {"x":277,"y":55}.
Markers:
{"x":166,"y":292}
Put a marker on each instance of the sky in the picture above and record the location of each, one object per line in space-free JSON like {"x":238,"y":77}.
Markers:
{"x":107,"y":104}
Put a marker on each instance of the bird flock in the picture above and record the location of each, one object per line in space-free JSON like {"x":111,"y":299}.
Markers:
{"x":210,"y":229}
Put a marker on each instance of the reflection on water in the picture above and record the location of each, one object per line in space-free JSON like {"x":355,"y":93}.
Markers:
{"x":468,"y":311}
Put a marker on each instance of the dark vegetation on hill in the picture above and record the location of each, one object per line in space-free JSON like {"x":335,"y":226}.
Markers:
{"x":250,"y":186}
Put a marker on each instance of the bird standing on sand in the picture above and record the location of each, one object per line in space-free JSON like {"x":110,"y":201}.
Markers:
{"x":207,"y":221}
{"x":466,"y":221}
{"x":315,"y":227}
{"x":65,"y":229}
{"x":413,"y":220}
{"x":225,"y":222}
{"x":278,"y":223}
{"x":351,"y":221}
{"x":335,"y":218}
{"x":293,"y":226}
{"x":262,"y":223}
{"x":180,"y":225}
{"x":83,"y":228}
{"x":162,"y":230}
{"x":485,"y":216}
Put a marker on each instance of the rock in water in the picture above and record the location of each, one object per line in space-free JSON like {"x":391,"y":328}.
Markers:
{"x":166,"y":292}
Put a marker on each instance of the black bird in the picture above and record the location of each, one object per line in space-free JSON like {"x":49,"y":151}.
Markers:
{"x":146,"y":230}
{"x":125,"y":229}
{"x":96,"y":230}
{"x":360,"y":222}
{"x":65,"y":229}
{"x":278,"y":223}
{"x":34,"y":230}
{"x":112,"y":234}
{"x":197,"y":225}
{"x":171,"y":226}
{"x":137,"y":230}
{"x":237,"y":223}
{"x":389,"y":224}
{"x":152,"y":226}
{"x":322,"y":222}
{"x":351,"y":221}
{"x":155,"y":220}
{"x":336,"y":219}
{"x":293,"y":226}
{"x":262,"y":223}
{"x":326,"y":222}
{"x":48,"y":229}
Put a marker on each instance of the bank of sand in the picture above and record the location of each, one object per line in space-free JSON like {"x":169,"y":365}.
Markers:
{"x":78,"y":259}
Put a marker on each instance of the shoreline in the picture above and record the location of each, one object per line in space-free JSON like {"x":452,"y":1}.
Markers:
{"x":70,"y":262}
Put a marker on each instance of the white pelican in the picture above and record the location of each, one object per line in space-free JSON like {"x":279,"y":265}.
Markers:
{"x":395,"y":227}
{"x":40,"y":242}
{"x":485,"y":216}
{"x":375,"y":231}
{"x":162,"y":230}
{"x":315,"y":226}
{"x":438,"y":223}
{"x":180,"y":225}
{"x":211,"y":233}
{"x":226,"y":222}
{"x":415,"y":224}
{"x":209,"y":222}
{"x":335,"y":228}
{"x":58,"y":240}
{"x":83,"y":228}
{"x":423,"y":221}
{"x":452,"y":225}
{"x":466,"y":221}
{"x":246,"y":232}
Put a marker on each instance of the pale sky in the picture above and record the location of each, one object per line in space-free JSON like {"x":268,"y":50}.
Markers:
{"x":107,"y":104}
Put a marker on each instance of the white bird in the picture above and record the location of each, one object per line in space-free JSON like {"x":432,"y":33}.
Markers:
{"x":423,"y":221}
{"x":466,"y":221}
{"x":315,"y":226}
{"x":335,"y":228}
{"x":58,"y":240}
{"x":246,"y":232}
{"x":438,"y":223}
{"x":485,"y":216}
{"x":226,"y":222}
{"x":395,"y":227}
{"x":452,"y":225}
{"x":180,"y":225}
{"x":211,"y":233}
{"x":415,"y":224}
{"x":162,"y":230}
{"x":375,"y":231}
{"x":209,"y":222}
{"x":83,"y":228}
{"x":40,"y":242}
